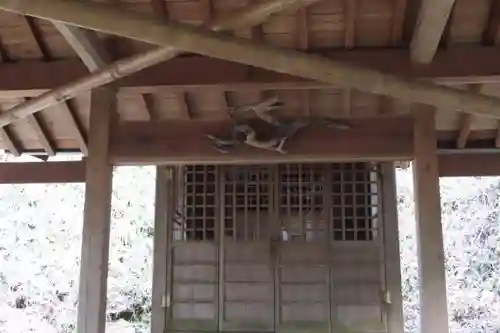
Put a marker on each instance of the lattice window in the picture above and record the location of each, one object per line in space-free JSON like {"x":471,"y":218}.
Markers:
{"x":292,"y":199}
{"x":247,"y":202}
{"x":302,"y":202}
{"x":196,"y":218}
{"x":354,"y":209}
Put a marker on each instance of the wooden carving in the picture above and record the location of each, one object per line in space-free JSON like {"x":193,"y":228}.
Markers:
{"x":267,"y":131}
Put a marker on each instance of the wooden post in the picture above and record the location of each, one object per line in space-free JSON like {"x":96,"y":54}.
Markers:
{"x":96,"y":220}
{"x":395,"y":321}
{"x":433,"y":306}
{"x":164,"y":209}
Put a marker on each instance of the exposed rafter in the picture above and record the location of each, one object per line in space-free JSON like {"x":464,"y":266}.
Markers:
{"x":160,"y":8}
{"x":41,"y":134}
{"x":302,"y":29}
{"x":207,"y":11}
{"x":251,"y":16}
{"x":431,"y":23}
{"x":306,"y":102}
{"x":150,"y":106}
{"x":350,"y":14}
{"x":86,"y":44}
{"x":10,"y":142}
{"x":399,"y":7}
{"x":134,"y":25}
{"x":467,"y":121}
{"x":37,"y":38}
{"x":493,"y":25}
{"x":346,"y":102}
{"x":67,"y":113}
{"x":465,"y":129}
{"x":497,"y":140}
{"x":185,"y":105}
{"x":446,"y":35}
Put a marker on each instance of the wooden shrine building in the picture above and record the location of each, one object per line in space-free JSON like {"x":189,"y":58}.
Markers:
{"x":254,"y":240}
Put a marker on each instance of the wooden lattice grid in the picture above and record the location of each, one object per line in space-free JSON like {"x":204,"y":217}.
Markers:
{"x":198,"y":212}
{"x":354,"y":191}
{"x":296,"y":201}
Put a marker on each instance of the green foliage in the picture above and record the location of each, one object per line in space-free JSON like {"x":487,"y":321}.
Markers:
{"x":471,"y":228}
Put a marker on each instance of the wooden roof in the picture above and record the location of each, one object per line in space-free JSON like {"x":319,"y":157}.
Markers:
{"x":374,"y":33}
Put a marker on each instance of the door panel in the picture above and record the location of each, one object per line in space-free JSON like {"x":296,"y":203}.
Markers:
{"x":248,"y":287}
{"x":248,"y":281}
{"x":281,"y":248}
{"x":194,"y":297}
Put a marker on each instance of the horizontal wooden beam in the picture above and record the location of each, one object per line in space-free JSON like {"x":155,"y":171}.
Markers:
{"x":461,"y":65}
{"x":251,"y":15}
{"x":469,"y":165}
{"x":41,"y":172}
{"x":147,"y":28}
{"x":185,"y":142}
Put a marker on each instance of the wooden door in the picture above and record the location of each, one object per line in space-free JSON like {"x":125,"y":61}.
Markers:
{"x":277,"y":248}
{"x":247,"y":286}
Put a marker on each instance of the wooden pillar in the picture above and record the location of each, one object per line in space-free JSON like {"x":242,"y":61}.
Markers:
{"x":96,"y":219}
{"x":433,"y":305}
{"x":395,"y":321}
{"x":164,"y":209}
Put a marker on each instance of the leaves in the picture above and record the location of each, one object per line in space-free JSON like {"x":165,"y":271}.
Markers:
{"x":471,"y":231}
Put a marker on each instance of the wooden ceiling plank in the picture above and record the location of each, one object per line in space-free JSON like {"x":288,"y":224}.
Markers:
{"x":446,"y":36}
{"x":77,"y":131}
{"x":37,"y":37}
{"x":467,"y":120}
{"x":497,"y":140}
{"x":431,"y":23}
{"x":4,"y":55}
{"x":306,"y":103}
{"x":346,"y":102}
{"x":207,"y":10}
{"x":465,"y":129}
{"x":386,"y":106}
{"x":134,"y":25}
{"x":410,"y":20}
{"x":257,"y":32}
{"x":185,"y":105}
{"x":399,"y":7}
{"x":160,"y":8}
{"x":86,"y":45}
{"x":493,"y":24}
{"x":150,"y":106}
{"x":10,"y":142}
{"x":41,"y":134}
{"x":251,"y":16}
{"x":302,"y":29}
{"x":350,"y":13}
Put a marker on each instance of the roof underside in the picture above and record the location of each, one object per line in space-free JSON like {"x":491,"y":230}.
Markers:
{"x":329,"y":24}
